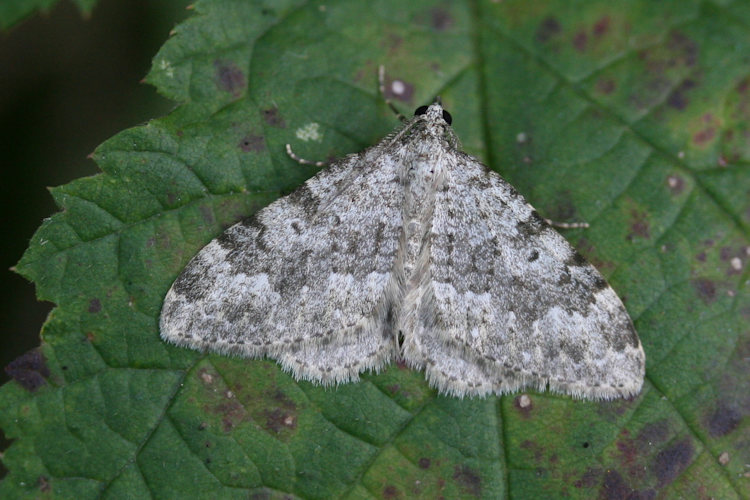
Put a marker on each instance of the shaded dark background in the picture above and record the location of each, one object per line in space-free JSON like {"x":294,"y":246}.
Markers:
{"x":67,"y":83}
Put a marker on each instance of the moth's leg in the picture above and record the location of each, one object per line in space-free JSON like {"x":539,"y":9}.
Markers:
{"x":381,"y":87}
{"x":567,"y":225}
{"x":302,"y":161}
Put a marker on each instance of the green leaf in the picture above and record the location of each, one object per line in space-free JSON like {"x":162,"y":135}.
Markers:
{"x":13,"y":11}
{"x":633,"y":116}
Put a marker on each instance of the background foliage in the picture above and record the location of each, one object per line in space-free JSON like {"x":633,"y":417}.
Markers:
{"x":632,"y":116}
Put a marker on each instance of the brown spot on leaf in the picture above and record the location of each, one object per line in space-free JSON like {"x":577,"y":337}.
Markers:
{"x":678,"y":98}
{"x":676,"y":184}
{"x":232,"y":414}
{"x":278,"y":420}
{"x":671,"y":461}
{"x":285,"y":401}
{"x":606,"y":85}
{"x":614,"y":487}
{"x":441,"y":19}
{"x":638,"y":225}
{"x":723,"y":420}
{"x":601,"y":27}
{"x":627,"y":450}
{"x":424,"y":463}
{"x":390,"y":491}
{"x":651,"y":434}
{"x":468,"y":480}
{"x":272,"y":117}
{"x":589,"y":479}
{"x":229,"y":77}
{"x":580,"y":40}
{"x":703,"y":136}
{"x":548,"y":28}
{"x":29,"y":370}
{"x":43,"y":484}
{"x":685,"y":50}
{"x":706,"y":289}
{"x":254,"y":143}
{"x":95,"y":306}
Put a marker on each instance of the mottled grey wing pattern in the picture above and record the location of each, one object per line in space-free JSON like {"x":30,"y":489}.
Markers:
{"x":512,"y":304}
{"x":304,"y":281}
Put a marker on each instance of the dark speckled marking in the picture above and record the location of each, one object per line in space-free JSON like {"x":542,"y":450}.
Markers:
{"x":723,"y":420}
{"x":600,"y":283}
{"x":576,"y":259}
{"x":272,"y":117}
{"x":95,"y":305}
{"x":614,"y":487}
{"x":390,"y":492}
{"x":671,"y":461}
{"x":537,"y":218}
{"x":29,"y":370}
{"x":468,"y":480}
{"x":531,"y":227}
{"x":548,"y":28}
{"x":534,"y":256}
{"x":564,"y":278}
{"x":706,"y":289}
{"x":43,"y":484}
{"x":229,"y":77}
{"x":304,"y":198}
{"x":188,"y":284}
{"x":441,"y":19}
{"x":574,"y":351}
{"x":251,"y":142}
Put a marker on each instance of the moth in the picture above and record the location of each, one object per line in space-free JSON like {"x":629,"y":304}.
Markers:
{"x":410,"y":250}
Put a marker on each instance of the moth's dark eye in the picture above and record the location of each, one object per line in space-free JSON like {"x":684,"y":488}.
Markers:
{"x":447,"y":117}
{"x":420,"y":110}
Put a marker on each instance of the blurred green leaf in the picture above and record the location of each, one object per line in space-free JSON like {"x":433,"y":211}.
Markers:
{"x":13,"y":11}
{"x":633,"y":116}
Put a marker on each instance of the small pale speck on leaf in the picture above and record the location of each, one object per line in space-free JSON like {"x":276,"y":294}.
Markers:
{"x":398,"y":87}
{"x":309,"y":132}
{"x":736,"y":263}
{"x":524,"y":401}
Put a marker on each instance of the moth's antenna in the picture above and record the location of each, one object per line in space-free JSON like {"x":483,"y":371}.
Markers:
{"x":381,"y":87}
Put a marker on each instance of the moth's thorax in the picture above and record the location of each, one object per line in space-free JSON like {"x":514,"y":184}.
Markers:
{"x":423,"y":174}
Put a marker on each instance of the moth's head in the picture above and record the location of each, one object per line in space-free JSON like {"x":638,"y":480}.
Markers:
{"x":435,"y":122}
{"x":434,"y":112}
